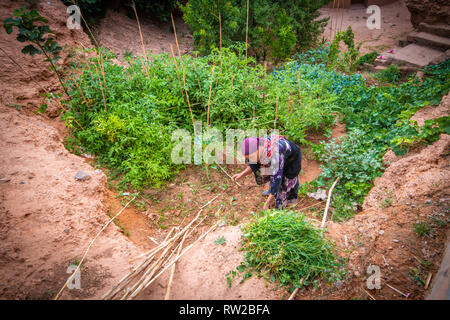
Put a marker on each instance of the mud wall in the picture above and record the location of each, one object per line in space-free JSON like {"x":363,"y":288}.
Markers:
{"x":429,"y":11}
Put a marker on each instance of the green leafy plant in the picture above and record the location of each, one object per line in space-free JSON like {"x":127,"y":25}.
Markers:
{"x":282,"y":246}
{"x":390,"y":75}
{"x":27,"y":23}
{"x":275,"y":28}
{"x":220,"y":240}
{"x":348,"y":61}
{"x":422,"y":228}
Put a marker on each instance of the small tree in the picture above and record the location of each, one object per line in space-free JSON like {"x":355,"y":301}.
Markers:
{"x":29,"y":31}
{"x":275,"y":28}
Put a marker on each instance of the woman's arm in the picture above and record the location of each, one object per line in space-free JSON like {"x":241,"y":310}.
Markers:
{"x":244,"y":173}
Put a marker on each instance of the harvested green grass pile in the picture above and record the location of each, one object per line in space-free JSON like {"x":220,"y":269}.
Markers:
{"x":283,"y":247}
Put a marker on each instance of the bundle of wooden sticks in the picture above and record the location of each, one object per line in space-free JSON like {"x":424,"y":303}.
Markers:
{"x":157,"y":260}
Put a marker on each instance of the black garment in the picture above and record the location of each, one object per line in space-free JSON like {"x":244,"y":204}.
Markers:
{"x":292,"y":163}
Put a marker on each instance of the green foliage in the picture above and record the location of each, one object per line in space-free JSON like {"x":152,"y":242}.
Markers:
{"x":367,"y":58}
{"x":422,"y":228}
{"x":220,"y":240}
{"x":282,"y":246}
{"x":146,"y":103}
{"x":390,"y":75}
{"x":354,"y":160}
{"x":30,"y":29}
{"x":376,"y":118}
{"x":414,"y":135}
{"x":160,"y":9}
{"x":275,"y":28}
{"x":203,"y":19}
{"x":347,"y":61}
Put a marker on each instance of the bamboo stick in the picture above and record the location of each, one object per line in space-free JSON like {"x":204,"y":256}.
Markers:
{"x":184,"y":73}
{"x":87,"y":250}
{"x":198,"y":214}
{"x":172,"y":272}
{"x":209,"y":98}
{"x":229,"y":175}
{"x":81,"y":92}
{"x":101,"y":86}
{"x":328,"y":203}
{"x":246,"y":32}
{"x":398,"y":291}
{"x":176,"y":67}
{"x":371,"y":297}
{"x":276,"y":112}
{"x":427,"y":283}
{"x":126,"y":279}
{"x":176,"y":37}
{"x":137,"y":287}
{"x":196,"y":73}
{"x":220,"y":41}
{"x":168,"y":243}
{"x":131,"y":293}
{"x":142,"y":39}
{"x":182,"y":254}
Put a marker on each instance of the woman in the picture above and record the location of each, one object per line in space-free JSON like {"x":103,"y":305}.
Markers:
{"x":275,"y":159}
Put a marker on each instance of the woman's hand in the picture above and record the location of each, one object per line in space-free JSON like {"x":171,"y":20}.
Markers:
{"x":266,"y":204}
{"x":236,"y":177}
{"x":244,"y":173}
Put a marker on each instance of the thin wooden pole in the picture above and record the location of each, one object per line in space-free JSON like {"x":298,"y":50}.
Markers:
{"x":276,"y":112}
{"x":246,"y":31}
{"x":142,"y":39}
{"x":172,"y":271}
{"x":209,"y":98}
{"x":176,"y":67}
{"x":328,"y":203}
{"x":87,"y":250}
{"x":220,"y":41}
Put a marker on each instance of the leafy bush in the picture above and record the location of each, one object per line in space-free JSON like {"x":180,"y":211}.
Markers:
{"x":348,"y":60}
{"x":29,"y":25}
{"x":354,"y":160}
{"x":130,"y":129}
{"x":390,"y":75}
{"x":284,"y":247}
{"x":377,"y":117}
{"x":275,"y":28}
{"x":367,"y":58}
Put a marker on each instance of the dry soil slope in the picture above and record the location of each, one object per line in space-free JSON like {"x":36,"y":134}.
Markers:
{"x":47,"y":218}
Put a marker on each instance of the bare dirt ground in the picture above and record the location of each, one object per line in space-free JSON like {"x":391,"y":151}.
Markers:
{"x":395,"y":24}
{"x":121,"y":34}
{"x":47,"y":218}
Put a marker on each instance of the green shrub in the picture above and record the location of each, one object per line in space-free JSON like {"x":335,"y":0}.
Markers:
{"x":275,"y":28}
{"x":389,"y":75}
{"x":282,"y":246}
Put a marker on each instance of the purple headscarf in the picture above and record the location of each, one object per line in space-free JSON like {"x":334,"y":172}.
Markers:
{"x":250,"y":145}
